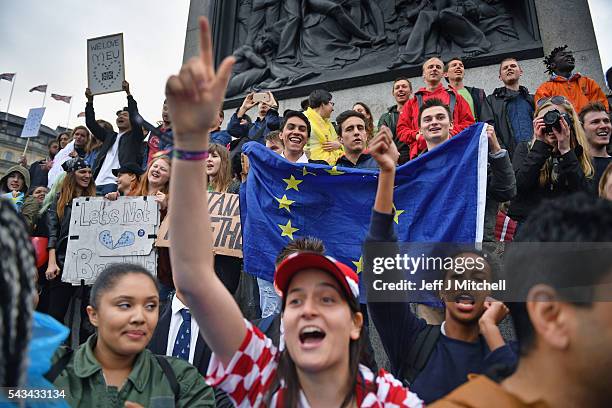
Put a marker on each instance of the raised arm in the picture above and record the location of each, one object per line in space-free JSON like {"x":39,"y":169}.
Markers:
{"x":194,"y":98}
{"x":396,"y":324}
{"x":133,"y":111}
{"x":90,"y":118}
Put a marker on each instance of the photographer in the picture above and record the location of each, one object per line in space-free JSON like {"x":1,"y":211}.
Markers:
{"x":266,"y":121}
{"x":555,"y":163}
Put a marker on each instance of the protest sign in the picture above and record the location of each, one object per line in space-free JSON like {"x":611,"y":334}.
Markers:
{"x":104,"y":232}
{"x":224,"y":210}
{"x":105,"y":66}
{"x":32,"y":123}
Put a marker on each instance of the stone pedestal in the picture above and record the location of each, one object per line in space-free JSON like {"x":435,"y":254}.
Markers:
{"x":560,"y":22}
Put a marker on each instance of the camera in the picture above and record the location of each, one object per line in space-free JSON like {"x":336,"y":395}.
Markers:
{"x":552,"y":119}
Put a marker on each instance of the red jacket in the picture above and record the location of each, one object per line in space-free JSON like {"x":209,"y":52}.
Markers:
{"x":408,"y":123}
{"x":579,"y":90}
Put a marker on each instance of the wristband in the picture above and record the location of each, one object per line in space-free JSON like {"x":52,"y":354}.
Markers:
{"x":189,"y":155}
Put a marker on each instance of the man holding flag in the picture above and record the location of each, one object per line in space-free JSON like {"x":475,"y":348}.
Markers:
{"x":433,"y":359}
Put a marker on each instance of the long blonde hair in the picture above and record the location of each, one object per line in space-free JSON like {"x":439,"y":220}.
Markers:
{"x":143,"y":189}
{"x":577,"y":138}
{"x":89,"y":136}
{"x":604,"y":180}
{"x":222,"y":180}
{"x":70,"y":190}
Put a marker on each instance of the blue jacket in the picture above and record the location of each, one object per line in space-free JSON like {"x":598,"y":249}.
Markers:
{"x":271,"y":122}
{"x":221,"y":137}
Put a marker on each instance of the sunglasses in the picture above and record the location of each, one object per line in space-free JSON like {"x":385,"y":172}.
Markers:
{"x":556,"y":100}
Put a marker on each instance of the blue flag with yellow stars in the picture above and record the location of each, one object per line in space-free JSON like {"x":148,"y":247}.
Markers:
{"x":438,"y":197}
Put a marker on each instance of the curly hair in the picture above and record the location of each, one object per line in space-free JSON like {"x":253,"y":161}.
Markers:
{"x":549,"y":59}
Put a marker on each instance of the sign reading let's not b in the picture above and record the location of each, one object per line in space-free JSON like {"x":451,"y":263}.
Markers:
{"x":105,"y":65}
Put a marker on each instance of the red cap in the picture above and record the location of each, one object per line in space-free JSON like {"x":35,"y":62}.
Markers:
{"x":299,"y":261}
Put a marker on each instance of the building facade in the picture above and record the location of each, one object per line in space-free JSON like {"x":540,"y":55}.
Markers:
{"x":12,"y":145}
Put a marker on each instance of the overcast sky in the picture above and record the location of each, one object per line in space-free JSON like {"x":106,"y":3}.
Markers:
{"x":44,"y":42}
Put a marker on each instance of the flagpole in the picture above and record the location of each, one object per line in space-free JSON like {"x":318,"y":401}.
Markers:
{"x":9,"y":101}
{"x":69,"y":111}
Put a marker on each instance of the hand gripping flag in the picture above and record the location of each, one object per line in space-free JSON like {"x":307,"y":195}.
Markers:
{"x":39,"y":88}
{"x":61,"y":98}
{"x":439,"y":197}
{"x":7,"y":76}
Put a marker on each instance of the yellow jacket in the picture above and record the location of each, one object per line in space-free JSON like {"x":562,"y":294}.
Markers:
{"x":322,"y":130}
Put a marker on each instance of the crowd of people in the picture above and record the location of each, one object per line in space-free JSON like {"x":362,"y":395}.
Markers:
{"x":184,"y":338}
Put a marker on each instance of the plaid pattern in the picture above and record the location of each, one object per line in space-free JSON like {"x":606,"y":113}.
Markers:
{"x":7,"y":76}
{"x":61,"y":98}
{"x":250,"y":373}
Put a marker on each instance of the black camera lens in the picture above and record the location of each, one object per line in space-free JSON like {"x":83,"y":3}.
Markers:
{"x":552,"y":120}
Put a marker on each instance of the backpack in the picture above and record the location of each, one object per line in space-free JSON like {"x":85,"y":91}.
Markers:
{"x":419,"y":353}
{"x":451,"y":105}
{"x":61,"y":364}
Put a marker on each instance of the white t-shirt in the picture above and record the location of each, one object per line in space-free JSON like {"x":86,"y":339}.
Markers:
{"x":111,"y":161}
{"x":303,"y":158}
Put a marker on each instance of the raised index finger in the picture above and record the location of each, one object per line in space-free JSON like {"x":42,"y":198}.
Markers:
{"x":206,"y":49}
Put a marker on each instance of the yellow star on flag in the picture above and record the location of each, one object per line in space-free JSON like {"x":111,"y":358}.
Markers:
{"x":306,"y":172}
{"x":334,"y":171}
{"x":287,"y":230}
{"x":396,"y":214}
{"x":292,"y":183}
{"x":284,"y":203}
{"x":359,"y":264}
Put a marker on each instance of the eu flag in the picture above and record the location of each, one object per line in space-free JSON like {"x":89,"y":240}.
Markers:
{"x":439,"y":197}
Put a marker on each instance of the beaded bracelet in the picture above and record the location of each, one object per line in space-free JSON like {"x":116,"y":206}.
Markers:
{"x":189,"y":155}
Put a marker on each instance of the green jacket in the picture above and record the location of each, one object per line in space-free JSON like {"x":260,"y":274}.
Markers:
{"x":84,"y":383}
{"x":30,"y":213}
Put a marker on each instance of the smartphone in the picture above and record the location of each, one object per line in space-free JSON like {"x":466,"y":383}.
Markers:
{"x":261,"y":97}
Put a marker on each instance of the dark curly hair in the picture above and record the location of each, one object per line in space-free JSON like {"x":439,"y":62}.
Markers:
{"x":548,"y":60}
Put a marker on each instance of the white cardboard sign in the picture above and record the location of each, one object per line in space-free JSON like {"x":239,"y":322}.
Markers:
{"x":105,"y":65}
{"x":32,"y":123}
{"x":104,"y":232}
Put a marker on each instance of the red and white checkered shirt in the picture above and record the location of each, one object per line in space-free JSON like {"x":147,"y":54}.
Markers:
{"x":250,"y":374}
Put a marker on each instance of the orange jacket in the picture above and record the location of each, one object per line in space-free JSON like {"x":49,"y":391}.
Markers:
{"x":579,"y":90}
{"x":481,"y":392}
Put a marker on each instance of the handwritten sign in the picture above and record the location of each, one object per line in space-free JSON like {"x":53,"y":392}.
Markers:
{"x":104,"y":232}
{"x":105,"y":66}
{"x":224,"y":210}
{"x":32,"y":123}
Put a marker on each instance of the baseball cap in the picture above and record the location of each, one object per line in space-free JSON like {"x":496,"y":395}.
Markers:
{"x":294,"y":263}
{"x":128,"y":168}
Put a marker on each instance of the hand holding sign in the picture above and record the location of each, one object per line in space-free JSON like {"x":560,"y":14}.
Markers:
{"x":125,"y":85}
{"x":195,"y":95}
